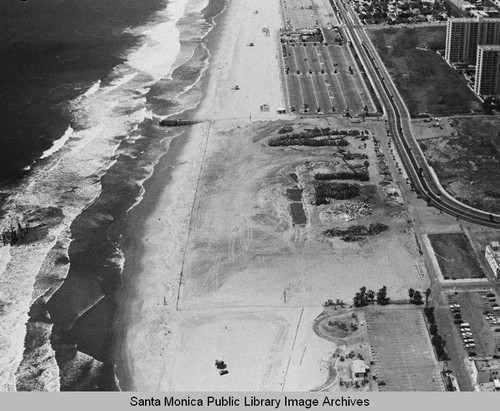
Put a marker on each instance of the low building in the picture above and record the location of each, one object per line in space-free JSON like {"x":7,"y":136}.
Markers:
{"x":492,"y":254}
{"x":359,"y":370}
{"x":486,"y":370}
{"x":493,"y":386}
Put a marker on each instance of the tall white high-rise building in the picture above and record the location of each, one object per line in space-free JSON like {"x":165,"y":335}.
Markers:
{"x":464,"y":35}
{"x":487,"y":70}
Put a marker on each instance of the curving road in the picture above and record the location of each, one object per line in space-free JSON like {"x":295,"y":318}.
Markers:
{"x":420,"y":173}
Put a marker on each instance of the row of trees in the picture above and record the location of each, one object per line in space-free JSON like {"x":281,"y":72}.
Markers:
{"x":437,"y":341}
{"x":416,"y":296}
{"x":364,"y":297}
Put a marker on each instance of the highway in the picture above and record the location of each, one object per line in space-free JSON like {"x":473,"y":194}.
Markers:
{"x":420,"y":173}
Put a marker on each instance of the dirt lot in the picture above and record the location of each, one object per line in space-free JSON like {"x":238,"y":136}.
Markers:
{"x":401,"y":349}
{"x":249,"y":268}
{"x":245,"y":250}
{"x":467,"y":163}
{"x":424,"y":79}
{"x":455,"y":256}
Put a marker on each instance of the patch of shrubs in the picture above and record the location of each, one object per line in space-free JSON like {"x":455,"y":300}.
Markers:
{"x":429,"y":313}
{"x":338,"y":191}
{"x":356,"y":231}
{"x":285,"y":130}
{"x":286,"y":140}
{"x":310,"y":137}
{"x":343,"y":175}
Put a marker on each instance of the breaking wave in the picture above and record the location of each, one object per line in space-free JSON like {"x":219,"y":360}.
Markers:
{"x":58,"y":144}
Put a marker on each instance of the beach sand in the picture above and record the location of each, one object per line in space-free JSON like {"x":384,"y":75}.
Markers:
{"x":216,"y":269}
{"x":154,"y":326}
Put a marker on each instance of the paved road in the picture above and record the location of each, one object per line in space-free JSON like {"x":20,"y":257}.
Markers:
{"x":420,"y":173}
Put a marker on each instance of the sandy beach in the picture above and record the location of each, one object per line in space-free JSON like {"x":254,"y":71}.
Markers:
{"x":155,"y":323}
{"x":217,"y":268}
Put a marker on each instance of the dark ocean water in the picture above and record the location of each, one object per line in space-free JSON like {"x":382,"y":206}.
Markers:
{"x":123,"y":110}
{"x":50,"y":52}
{"x":93,"y":70}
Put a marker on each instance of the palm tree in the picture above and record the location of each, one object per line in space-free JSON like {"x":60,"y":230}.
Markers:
{"x":427,"y":293}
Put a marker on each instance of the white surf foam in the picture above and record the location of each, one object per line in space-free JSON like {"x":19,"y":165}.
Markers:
{"x":157,"y":56}
{"x":58,"y":144}
{"x":93,"y":89}
{"x":120,"y":82}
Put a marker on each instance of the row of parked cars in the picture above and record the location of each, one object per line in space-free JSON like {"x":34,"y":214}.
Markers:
{"x":465,"y":331}
{"x":491,"y":310}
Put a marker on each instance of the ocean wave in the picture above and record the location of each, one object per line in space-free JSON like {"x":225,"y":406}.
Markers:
{"x":120,"y":82}
{"x":157,"y":56}
{"x":59,"y":143}
{"x":93,"y":89}
{"x":114,"y":142}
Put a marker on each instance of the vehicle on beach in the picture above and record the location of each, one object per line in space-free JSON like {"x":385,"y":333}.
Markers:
{"x":221,"y":366}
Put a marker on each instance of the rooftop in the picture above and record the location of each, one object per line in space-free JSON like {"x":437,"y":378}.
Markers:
{"x":484,"y":365}
{"x":490,"y":48}
{"x":494,"y":245}
{"x":358,"y":366}
{"x":474,"y":19}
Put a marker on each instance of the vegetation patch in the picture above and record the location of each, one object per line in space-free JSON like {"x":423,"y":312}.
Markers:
{"x":468,"y":163}
{"x":426,"y":82}
{"x":317,"y":137}
{"x":325,"y":190}
{"x":285,"y":129}
{"x":361,"y":175}
{"x":356,"y":232}
{"x":339,"y":329}
{"x":455,"y":256}
{"x":437,"y":341}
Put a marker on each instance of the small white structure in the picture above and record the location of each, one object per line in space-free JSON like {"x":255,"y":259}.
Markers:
{"x":281,"y":110}
{"x":492,"y":254}
{"x":359,"y":370}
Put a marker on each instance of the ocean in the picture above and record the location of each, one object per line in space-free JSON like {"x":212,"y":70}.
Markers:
{"x":83,"y":85}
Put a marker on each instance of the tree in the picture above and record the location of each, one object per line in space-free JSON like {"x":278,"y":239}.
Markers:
{"x":358,"y":300}
{"x":411,"y":293}
{"x":438,"y":341}
{"x":417,"y":298}
{"x":429,"y":312}
{"x":348,"y":116}
{"x":433,"y":329}
{"x":382,"y":298}
{"x":427,"y":294}
{"x":370,"y":295}
{"x":362,"y":297}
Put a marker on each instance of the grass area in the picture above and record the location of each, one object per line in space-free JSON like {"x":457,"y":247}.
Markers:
{"x":338,"y":326}
{"x":455,"y":256}
{"x":424,"y":79}
{"x":468,"y":164}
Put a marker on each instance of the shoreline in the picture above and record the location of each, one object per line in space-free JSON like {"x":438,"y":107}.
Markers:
{"x":148,"y":325}
{"x":154,"y":189}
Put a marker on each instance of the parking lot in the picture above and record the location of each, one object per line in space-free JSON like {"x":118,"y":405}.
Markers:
{"x":477,"y":320}
{"x":402,"y":351}
{"x":322,"y":77}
